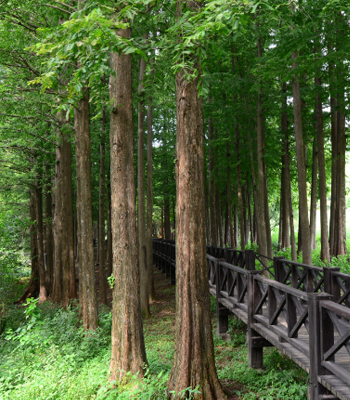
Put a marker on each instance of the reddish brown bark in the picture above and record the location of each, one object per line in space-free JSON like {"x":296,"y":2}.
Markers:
{"x":239,"y":192}
{"x":212,"y":191}
{"x":48,"y":233}
{"x":87,"y":291}
{"x":109,"y":260}
{"x":151,"y":290}
{"x":141,"y":205}
{"x":101,"y":215}
{"x":303,"y":207}
{"x":57,"y":230}
{"x":313,"y":200}
{"x":322,"y":173}
{"x":40,"y":241}
{"x":194,"y":362}
{"x":33,"y":287}
{"x":194,"y":358}
{"x":128,"y":349}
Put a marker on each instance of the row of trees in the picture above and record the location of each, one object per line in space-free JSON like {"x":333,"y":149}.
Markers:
{"x":259,"y":105}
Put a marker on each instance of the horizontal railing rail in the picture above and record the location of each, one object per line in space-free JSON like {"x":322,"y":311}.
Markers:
{"x":303,"y":311}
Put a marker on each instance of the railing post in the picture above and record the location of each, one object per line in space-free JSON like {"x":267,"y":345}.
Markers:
{"x":255,"y":349}
{"x":222,"y":312}
{"x":163,"y":256}
{"x":173,"y":265}
{"x":291,"y":315}
{"x":250,"y":260}
{"x":167,"y":259}
{"x":309,"y":282}
{"x":330,"y":282}
{"x":294,"y":277}
{"x":228,"y":257}
{"x":278,"y":270}
{"x":316,"y":389}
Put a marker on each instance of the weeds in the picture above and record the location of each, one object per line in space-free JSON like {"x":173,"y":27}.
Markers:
{"x":47,"y":355}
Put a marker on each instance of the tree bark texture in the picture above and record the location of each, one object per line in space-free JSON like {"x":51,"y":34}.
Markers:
{"x":48,"y":231}
{"x":64,"y":287}
{"x":322,"y":173}
{"x":285,"y":236}
{"x":33,"y":287}
{"x":149,"y":240}
{"x":303,"y":207}
{"x":66,"y":191}
{"x":212,"y":196}
{"x":239,"y":191}
{"x":337,"y":225}
{"x":194,"y":362}
{"x":109,"y":230}
{"x":40,"y":241}
{"x":313,"y":200}
{"x":87,"y":290}
{"x":262,"y":195}
{"x":259,"y":214}
{"x":141,"y":205}
{"x":57,"y":228}
{"x":101,"y":215}
{"x":128,"y":349}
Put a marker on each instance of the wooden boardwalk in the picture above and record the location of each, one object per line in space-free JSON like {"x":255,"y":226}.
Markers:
{"x":301,"y":310}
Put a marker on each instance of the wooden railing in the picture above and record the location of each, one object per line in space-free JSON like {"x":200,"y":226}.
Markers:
{"x":303,"y":311}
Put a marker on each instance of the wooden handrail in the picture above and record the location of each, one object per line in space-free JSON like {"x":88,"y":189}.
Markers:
{"x":247,"y":293}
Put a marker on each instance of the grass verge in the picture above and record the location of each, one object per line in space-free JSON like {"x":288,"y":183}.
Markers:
{"x":46,"y":355}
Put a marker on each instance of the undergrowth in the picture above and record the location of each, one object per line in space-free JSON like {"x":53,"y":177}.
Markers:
{"x":46,"y":355}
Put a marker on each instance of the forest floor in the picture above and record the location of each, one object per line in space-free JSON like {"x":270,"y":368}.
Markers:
{"x":163,"y":320}
{"x":237,"y":379}
{"x":46,"y":355}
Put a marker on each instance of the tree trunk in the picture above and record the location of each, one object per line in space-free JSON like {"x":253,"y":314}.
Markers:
{"x":109,"y":230}
{"x":289,"y":204}
{"x":141,"y":206}
{"x":259,"y":211}
{"x":194,"y":362}
{"x":322,"y":172}
{"x":67,"y":230}
{"x":212,"y":192}
{"x":87,"y":290}
{"x":235,"y":227}
{"x":313,"y":200}
{"x":285,"y":181}
{"x":33,"y":287}
{"x":303,"y":207}
{"x":262,"y":195}
{"x":239,"y":191}
{"x":229,"y":238}
{"x":333,"y":104}
{"x":340,"y":226}
{"x":57,"y":228}
{"x":128,"y":348}
{"x":101,"y":214}
{"x":167,"y":227}
{"x":194,"y":359}
{"x":149,"y":252}
{"x":40,"y":241}
{"x":48,"y":233}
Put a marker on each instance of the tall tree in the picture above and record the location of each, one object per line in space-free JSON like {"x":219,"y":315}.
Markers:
{"x":141,"y":206}
{"x":194,"y":353}
{"x":128,"y":348}
{"x":87,"y":290}
{"x":101,"y":212}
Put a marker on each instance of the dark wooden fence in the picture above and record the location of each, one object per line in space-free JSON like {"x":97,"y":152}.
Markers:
{"x":300,"y":309}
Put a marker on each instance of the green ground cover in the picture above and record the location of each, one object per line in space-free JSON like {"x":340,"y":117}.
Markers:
{"x":46,"y":355}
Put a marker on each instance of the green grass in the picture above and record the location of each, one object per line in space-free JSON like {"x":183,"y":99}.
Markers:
{"x":46,"y":355}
